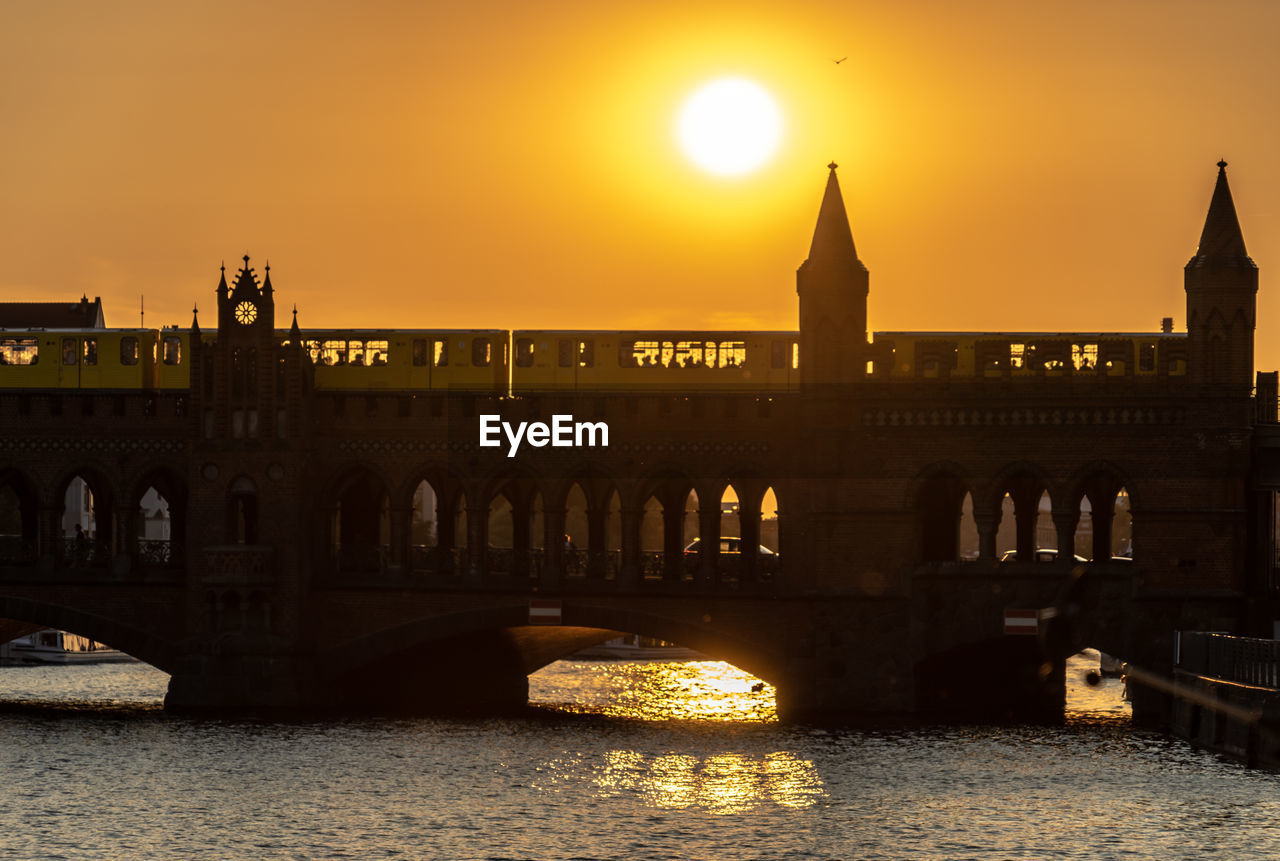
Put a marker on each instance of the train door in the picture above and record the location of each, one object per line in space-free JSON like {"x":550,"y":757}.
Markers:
{"x":68,"y":352}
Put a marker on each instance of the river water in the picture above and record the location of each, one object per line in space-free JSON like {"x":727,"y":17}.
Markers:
{"x":616,"y":760}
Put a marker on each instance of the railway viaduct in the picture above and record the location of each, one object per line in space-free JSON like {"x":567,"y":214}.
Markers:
{"x":294,"y":577}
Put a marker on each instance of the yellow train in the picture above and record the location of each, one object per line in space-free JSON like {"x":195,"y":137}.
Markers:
{"x":408,"y":359}
{"x":925,"y":355}
{"x":545,"y":360}
{"x":529,"y":361}
{"x":94,"y":359}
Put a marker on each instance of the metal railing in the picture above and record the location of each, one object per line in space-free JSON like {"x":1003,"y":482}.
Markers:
{"x":1243,"y":660}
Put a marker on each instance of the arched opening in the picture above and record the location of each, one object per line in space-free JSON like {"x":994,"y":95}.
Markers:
{"x":1046,"y":533}
{"x":242,"y":511}
{"x":1025,"y":532}
{"x":609,"y":559}
{"x":85,"y":525}
{"x":155,"y":529}
{"x":577,"y":531}
{"x":1122,"y":527}
{"x":651,"y":540}
{"x":688,"y":537}
{"x":362,"y":527}
{"x":1083,"y":543}
{"x":968,"y":530}
{"x":19,"y":533}
{"x":501,"y":532}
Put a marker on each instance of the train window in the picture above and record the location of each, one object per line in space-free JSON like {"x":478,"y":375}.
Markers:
{"x":778,"y":354}
{"x":129,"y":350}
{"x":564,"y":357}
{"x":19,"y":351}
{"x":376,"y":353}
{"x":171,"y":350}
{"x":440,"y":353}
{"x":91,"y":351}
{"x":69,"y":356}
{"x":689,"y":354}
{"x":586,"y":354}
{"x":1146,"y":357}
{"x":356,"y":353}
{"x":333,"y":353}
{"x":481,"y":352}
{"x":1084,"y":357}
{"x":524,"y":352}
{"x":1019,"y":355}
{"x":795,"y":355}
{"x":731,"y":354}
{"x":419,"y":352}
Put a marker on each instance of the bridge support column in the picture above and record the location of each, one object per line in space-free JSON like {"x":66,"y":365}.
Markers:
{"x":709,"y":530}
{"x":597,"y":564}
{"x":988,"y":524}
{"x":553,"y":545}
{"x":401,"y":516}
{"x":50,"y":535}
{"x":673,"y":542}
{"x":629,"y":572}
{"x":749,"y":543}
{"x":1065,"y":522}
{"x":477,"y":538}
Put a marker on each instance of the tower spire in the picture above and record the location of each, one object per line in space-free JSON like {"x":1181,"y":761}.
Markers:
{"x":1221,"y":241}
{"x":832,"y":236}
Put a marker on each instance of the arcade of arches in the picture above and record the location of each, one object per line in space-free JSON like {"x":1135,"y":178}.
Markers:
{"x":590,"y":529}
{"x":1019,"y":517}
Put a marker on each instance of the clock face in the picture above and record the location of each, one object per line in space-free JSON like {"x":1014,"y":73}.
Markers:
{"x":246,"y":312}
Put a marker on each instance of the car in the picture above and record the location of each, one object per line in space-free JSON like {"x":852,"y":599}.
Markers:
{"x":1043,"y":554}
{"x":727,"y":545}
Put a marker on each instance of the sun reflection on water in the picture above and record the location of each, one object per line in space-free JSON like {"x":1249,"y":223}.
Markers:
{"x":722,"y":783}
{"x":656,"y":690}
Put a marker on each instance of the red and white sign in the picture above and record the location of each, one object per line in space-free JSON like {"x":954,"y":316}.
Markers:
{"x":1022,"y":622}
{"x":544,"y":611}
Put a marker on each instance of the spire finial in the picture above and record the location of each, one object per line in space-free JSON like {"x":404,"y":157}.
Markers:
{"x":1222,"y":164}
{"x":833,"y":165}
{"x":246,"y":261}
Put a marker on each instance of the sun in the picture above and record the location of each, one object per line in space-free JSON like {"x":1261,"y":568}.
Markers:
{"x":729,"y":126}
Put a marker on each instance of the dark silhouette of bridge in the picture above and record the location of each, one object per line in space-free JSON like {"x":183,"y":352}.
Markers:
{"x":298,"y":572}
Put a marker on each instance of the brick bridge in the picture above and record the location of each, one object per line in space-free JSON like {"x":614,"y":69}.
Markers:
{"x":296,"y":574}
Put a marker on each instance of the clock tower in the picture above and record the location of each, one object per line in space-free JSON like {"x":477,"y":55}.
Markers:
{"x":243,"y":402}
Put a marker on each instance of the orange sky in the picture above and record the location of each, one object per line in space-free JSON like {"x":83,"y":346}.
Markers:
{"x":513,"y":164}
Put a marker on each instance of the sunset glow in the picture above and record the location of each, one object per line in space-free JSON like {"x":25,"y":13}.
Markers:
{"x":500,"y":164}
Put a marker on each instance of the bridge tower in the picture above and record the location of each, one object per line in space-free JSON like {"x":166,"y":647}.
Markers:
{"x":832,"y":285}
{"x":1222,"y":286}
{"x":247,"y":538}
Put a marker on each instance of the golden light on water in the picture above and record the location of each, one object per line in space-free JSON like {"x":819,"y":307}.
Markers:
{"x":689,"y":690}
{"x":723,"y":783}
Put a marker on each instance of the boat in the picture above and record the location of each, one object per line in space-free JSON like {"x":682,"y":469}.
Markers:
{"x":636,"y":648}
{"x":51,"y":646}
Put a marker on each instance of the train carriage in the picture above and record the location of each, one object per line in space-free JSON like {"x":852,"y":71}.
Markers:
{"x":79,"y":359}
{"x":1021,"y":355}
{"x":655,"y":361}
{"x":408,"y":359}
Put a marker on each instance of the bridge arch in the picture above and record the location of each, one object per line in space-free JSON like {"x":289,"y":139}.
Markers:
{"x":141,"y":644}
{"x":84,"y":526}
{"x":170,"y":495}
{"x":498,"y":642}
{"x":1026,"y":485}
